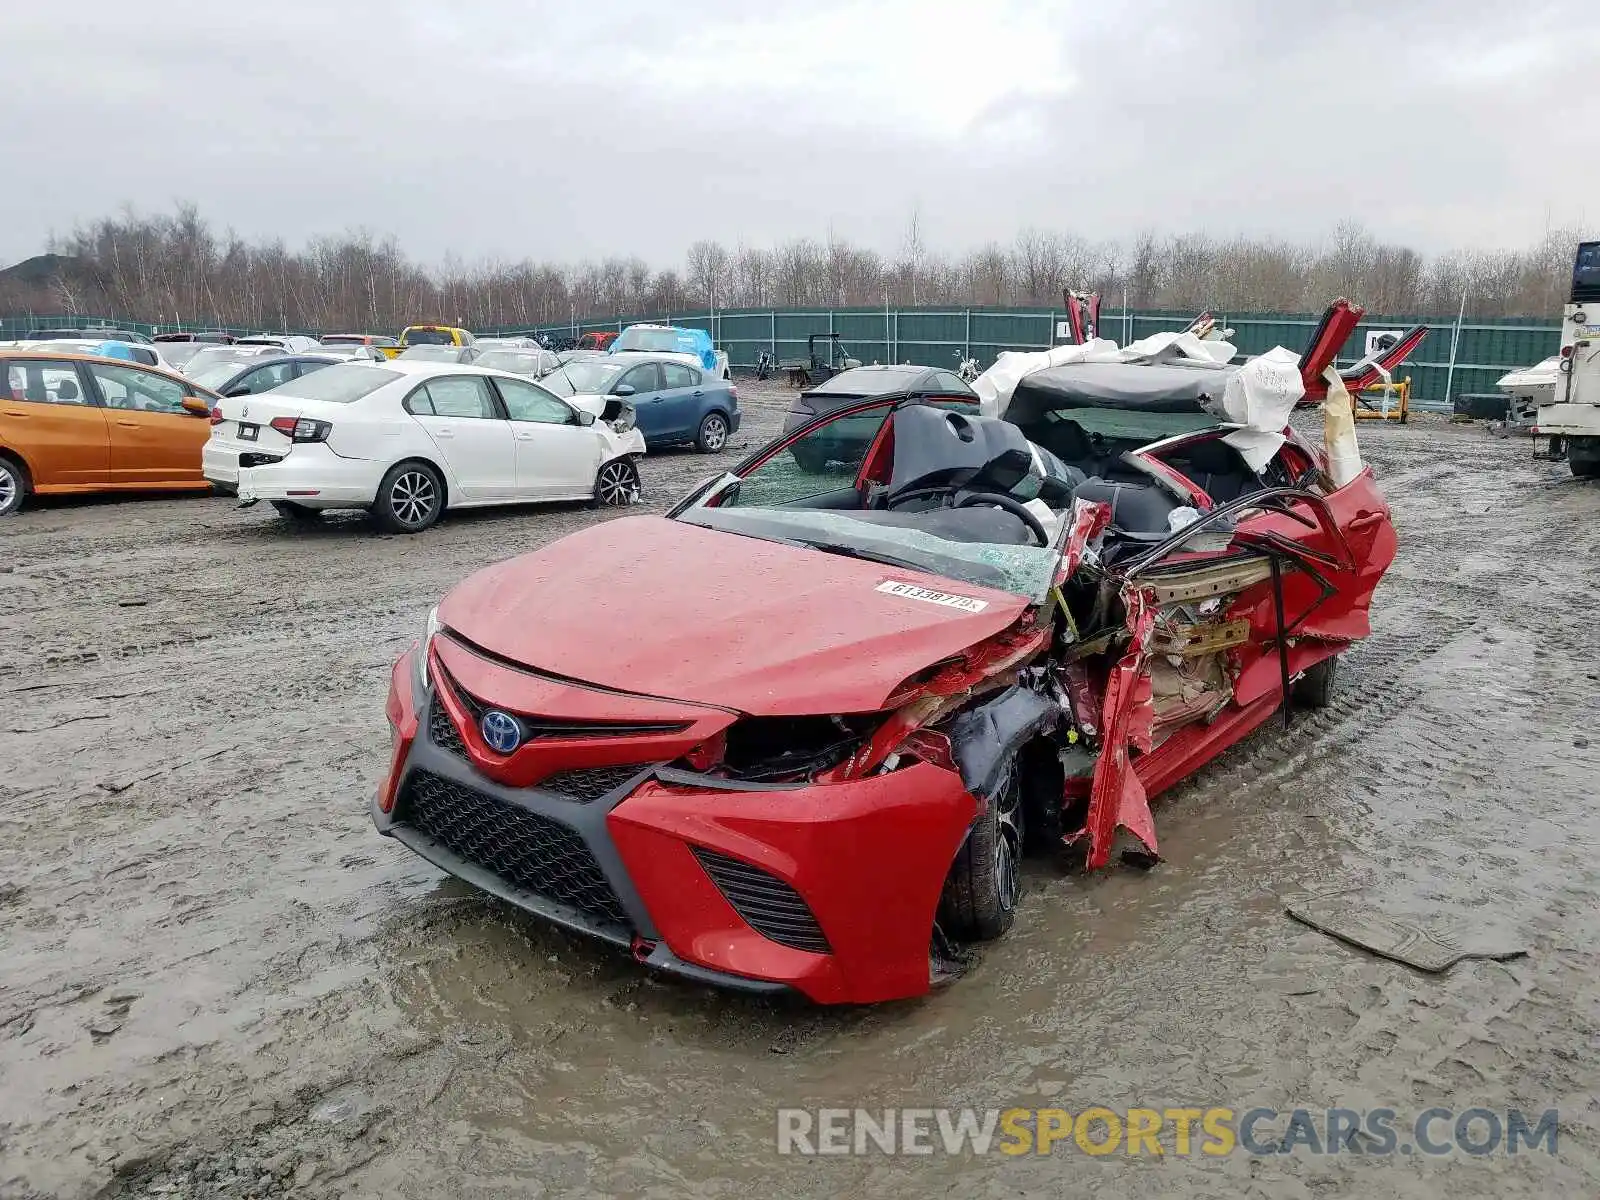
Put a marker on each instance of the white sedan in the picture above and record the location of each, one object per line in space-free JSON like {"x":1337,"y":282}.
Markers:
{"x":407,"y":440}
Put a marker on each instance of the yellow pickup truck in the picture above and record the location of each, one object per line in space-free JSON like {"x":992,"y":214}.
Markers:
{"x":428,"y":335}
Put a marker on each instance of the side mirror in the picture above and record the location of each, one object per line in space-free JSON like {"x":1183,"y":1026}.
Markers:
{"x":623,"y":389}
{"x":242,"y":390}
{"x":196,"y":406}
{"x":585,"y":417}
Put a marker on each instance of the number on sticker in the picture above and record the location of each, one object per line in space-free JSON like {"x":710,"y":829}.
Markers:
{"x":911,"y":591}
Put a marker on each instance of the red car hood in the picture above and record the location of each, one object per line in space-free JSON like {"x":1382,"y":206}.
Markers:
{"x":662,"y":608}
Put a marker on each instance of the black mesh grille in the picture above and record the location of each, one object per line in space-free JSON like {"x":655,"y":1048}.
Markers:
{"x":442,"y":730}
{"x":768,"y":905}
{"x":592,"y":782}
{"x":524,"y":849}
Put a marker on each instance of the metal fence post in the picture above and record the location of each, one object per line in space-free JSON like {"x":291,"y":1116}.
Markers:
{"x":968,"y":353}
{"x":774,"y":316}
{"x":1455,"y":340}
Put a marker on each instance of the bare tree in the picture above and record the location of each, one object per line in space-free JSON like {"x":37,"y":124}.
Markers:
{"x":170,"y":267}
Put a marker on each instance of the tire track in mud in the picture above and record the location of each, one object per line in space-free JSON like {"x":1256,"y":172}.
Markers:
{"x":289,"y":963}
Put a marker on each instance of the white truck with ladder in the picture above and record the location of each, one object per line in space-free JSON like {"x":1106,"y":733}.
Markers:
{"x":1570,"y":419}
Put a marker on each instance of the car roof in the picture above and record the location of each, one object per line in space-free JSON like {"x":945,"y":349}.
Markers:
{"x":424,"y":366}
{"x":133,"y":364}
{"x":1148,"y":387}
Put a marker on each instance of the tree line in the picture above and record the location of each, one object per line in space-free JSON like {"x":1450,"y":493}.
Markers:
{"x":170,"y":268}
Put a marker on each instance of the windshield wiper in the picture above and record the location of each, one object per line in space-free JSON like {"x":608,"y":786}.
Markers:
{"x":845,"y":551}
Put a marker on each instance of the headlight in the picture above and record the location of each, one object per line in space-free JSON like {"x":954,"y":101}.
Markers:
{"x":432,"y":627}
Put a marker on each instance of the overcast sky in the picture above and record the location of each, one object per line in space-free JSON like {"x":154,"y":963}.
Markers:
{"x":561,"y":130}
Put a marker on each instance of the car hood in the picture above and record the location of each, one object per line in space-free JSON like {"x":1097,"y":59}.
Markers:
{"x":662,"y":608}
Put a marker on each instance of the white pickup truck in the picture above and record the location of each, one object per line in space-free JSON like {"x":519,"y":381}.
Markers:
{"x":1571,"y":417}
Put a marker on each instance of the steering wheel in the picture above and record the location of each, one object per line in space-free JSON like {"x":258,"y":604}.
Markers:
{"x":1015,"y":507}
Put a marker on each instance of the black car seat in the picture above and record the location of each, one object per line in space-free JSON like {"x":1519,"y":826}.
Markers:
{"x":1216,"y":468}
{"x":1139,"y":510}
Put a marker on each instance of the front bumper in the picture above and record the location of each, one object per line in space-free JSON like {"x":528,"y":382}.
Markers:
{"x":645,"y":864}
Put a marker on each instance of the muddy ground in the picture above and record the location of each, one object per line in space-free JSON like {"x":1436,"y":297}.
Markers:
{"x":218,"y":981}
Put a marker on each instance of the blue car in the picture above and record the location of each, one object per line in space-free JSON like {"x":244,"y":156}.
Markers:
{"x":675,"y":404}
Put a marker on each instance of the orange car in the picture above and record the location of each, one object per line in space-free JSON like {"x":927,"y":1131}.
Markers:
{"x":70,"y":423}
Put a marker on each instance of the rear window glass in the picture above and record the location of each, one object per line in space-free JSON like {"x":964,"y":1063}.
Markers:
{"x":870,"y":383}
{"x":340,"y":384}
{"x":428,"y":337}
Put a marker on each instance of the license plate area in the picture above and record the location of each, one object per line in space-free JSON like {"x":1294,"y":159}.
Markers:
{"x":249,"y":433}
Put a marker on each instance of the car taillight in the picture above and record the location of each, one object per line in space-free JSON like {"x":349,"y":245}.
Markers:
{"x":216,"y":416}
{"x":302,"y":429}
{"x":733,"y":393}
{"x":1566,"y":352}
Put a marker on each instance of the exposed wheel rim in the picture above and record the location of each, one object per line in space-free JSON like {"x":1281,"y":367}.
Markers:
{"x":10,"y":489}
{"x":1008,"y":847}
{"x":413,"y":497}
{"x":616,"y":484}
{"x":714,"y":433}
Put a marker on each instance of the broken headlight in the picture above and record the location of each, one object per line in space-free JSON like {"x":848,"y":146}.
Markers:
{"x":780,"y":749}
{"x":620,"y":414}
{"x":429,"y":629}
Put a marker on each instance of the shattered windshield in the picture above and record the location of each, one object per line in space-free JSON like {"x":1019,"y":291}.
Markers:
{"x":1025,"y":571}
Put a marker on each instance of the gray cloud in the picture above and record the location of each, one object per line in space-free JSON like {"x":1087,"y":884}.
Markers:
{"x":564,"y":130}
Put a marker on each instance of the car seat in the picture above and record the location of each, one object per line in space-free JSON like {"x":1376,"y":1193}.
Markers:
{"x":1138,"y":510}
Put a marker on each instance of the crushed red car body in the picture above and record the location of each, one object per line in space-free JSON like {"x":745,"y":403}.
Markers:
{"x":799,"y":733}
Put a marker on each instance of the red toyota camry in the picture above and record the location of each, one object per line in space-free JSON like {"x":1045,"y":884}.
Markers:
{"x":799,"y":733}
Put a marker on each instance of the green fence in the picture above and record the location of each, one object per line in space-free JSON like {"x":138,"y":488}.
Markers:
{"x":941,"y":337}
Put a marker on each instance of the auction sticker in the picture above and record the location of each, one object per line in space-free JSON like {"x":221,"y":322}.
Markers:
{"x":912,"y":592}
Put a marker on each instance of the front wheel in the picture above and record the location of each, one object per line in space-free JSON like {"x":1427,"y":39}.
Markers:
{"x":985,"y":881}
{"x":13,"y":487}
{"x":713,"y":435}
{"x":1314,"y":688}
{"x":410,"y":498}
{"x":1583,"y":457}
{"x":617,"y":485}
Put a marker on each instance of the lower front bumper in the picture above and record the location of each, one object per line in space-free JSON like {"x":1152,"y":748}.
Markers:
{"x":658,"y":957}
{"x":865,"y":861}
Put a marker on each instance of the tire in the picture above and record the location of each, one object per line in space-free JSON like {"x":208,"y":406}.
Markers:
{"x":1315,"y":688}
{"x":985,"y":881}
{"x":410,"y":498}
{"x":13,"y":486}
{"x":1583,"y":457}
{"x":713,"y":435}
{"x":617,"y":484}
{"x":298,"y":513}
